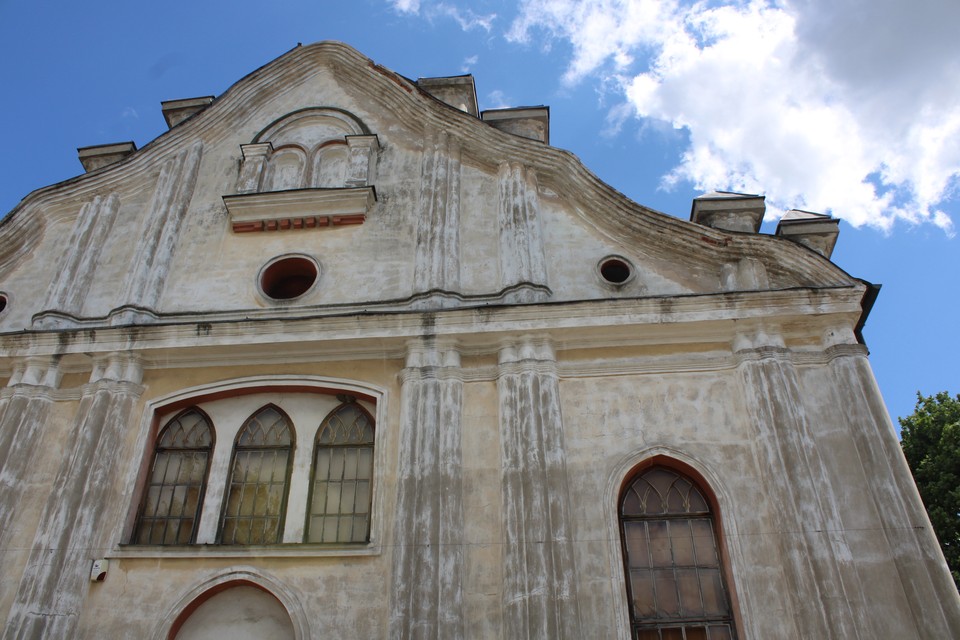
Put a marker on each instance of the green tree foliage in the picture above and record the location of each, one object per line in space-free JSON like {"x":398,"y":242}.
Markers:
{"x":930,"y":438}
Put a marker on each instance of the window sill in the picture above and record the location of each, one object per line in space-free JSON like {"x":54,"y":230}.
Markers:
{"x":294,"y":550}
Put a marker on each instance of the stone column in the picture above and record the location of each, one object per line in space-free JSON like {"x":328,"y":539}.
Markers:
{"x":540,"y":585}
{"x":77,"y":514}
{"x":437,"y":266}
{"x":155,"y":247}
{"x":521,"y":238}
{"x":251,"y":167}
{"x":927,"y":587}
{"x":78,"y":266}
{"x":821,"y":578}
{"x":427,"y":592}
{"x":24,"y":406}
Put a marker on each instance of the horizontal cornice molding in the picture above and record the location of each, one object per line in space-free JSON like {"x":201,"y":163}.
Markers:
{"x":309,"y":337}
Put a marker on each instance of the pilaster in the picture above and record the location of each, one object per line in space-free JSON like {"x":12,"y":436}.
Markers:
{"x":78,"y":266}
{"x":539,"y":590}
{"x":155,"y":248}
{"x":24,"y":408}
{"x":74,"y":520}
{"x":427,"y":591}
{"x":927,"y":586}
{"x":437,"y":266}
{"x":821,"y":578}
{"x":521,"y":237}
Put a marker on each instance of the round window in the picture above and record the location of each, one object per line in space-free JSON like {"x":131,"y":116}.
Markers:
{"x":288,"y":277}
{"x":615,"y":270}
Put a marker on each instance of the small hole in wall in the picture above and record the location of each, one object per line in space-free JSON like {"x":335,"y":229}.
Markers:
{"x":615,"y":270}
{"x":288,"y":278}
{"x":3,"y":303}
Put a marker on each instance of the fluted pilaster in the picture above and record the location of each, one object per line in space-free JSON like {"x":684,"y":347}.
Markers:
{"x":74,"y":519}
{"x":427,"y":592}
{"x":539,"y":590}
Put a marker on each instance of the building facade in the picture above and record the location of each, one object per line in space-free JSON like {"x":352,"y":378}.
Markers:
{"x":340,"y":356}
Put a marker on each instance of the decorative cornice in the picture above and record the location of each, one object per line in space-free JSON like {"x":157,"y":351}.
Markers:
{"x":299,"y":209}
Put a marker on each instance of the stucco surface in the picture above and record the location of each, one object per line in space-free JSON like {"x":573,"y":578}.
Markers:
{"x":514,"y":389}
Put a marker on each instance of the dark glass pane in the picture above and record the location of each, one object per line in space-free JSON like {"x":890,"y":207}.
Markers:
{"x":714,"y":599}
{"x":704,"y":543}
{"x":696,"y":633}
{"x":681,"y":539}
{"x":636,"y":541}
{"x":660,"y":552}
{"x":641,"y":587}
{"x":689,"y":586}
{"x":363,"y":497}
{"x":672,"y":633}
{"x":648,"y":634}
{"x":668,"y":606}
{"x":720,"y":632}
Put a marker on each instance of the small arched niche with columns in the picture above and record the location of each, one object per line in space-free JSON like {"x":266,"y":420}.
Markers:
{"x":312,"y":168}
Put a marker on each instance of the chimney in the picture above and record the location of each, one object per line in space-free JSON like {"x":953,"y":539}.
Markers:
{"x":814,"y":230}
{"x":176,"y":111}
{"x":101,"y":155}
{"x":729,"y":211}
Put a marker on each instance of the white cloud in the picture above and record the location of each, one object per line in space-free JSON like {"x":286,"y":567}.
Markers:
{"x":466,"y":18}
{"x":497,"y":100}
{"x":851,"y":108}
{"x":406,"y":6}
{"x":468,"y":63}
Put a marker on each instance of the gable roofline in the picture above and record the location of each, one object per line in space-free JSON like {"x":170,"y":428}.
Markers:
{"x":558,"y":170}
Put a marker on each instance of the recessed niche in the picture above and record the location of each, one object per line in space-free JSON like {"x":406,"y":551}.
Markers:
{"x":615,"y":270}
{"x":288,"y":277}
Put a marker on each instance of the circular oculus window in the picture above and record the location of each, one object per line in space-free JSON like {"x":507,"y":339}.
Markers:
{"x":615,"y":270}
{"x":288,"y":277}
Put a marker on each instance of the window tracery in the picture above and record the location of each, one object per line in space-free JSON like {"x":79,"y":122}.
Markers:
{"x":673,"y":565}
{"x":177,"y":479}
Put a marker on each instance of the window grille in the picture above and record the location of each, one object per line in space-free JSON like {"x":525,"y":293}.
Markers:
{"x":341,"y":489}
{"x":674,"y":574}
{"x":256,"y":498}
{"x":177,"y":480}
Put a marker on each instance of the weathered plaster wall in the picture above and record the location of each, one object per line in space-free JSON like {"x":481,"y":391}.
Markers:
{"x":514,"y":390}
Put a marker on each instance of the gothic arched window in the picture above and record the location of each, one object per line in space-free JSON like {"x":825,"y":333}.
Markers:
{"x":256,"y":498}
{"x":340,"y":491}
{"x":673,"y":567}
{"x":175,"y":486}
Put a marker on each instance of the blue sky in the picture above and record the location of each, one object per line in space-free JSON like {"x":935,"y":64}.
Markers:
{"x":846,"y":108}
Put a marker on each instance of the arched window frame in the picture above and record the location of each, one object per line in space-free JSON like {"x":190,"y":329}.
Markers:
{"x":367,"y":445}
{"x":678,"y":627}
{"x":237,"y":448}
{"x":296,"y":395}
{"x":158,"y":450}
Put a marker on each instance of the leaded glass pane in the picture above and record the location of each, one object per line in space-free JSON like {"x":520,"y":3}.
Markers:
{"x":256,"y":494}
{"x":342,"y":476}
{"x":176,"y":481}
{"x":673,"y":566}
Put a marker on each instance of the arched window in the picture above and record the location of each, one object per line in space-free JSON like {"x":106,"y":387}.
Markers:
{"x":175,"y":486}
{"x":255,"y":503}
{"x":340,"y":492}
{"x":674,"y":576}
